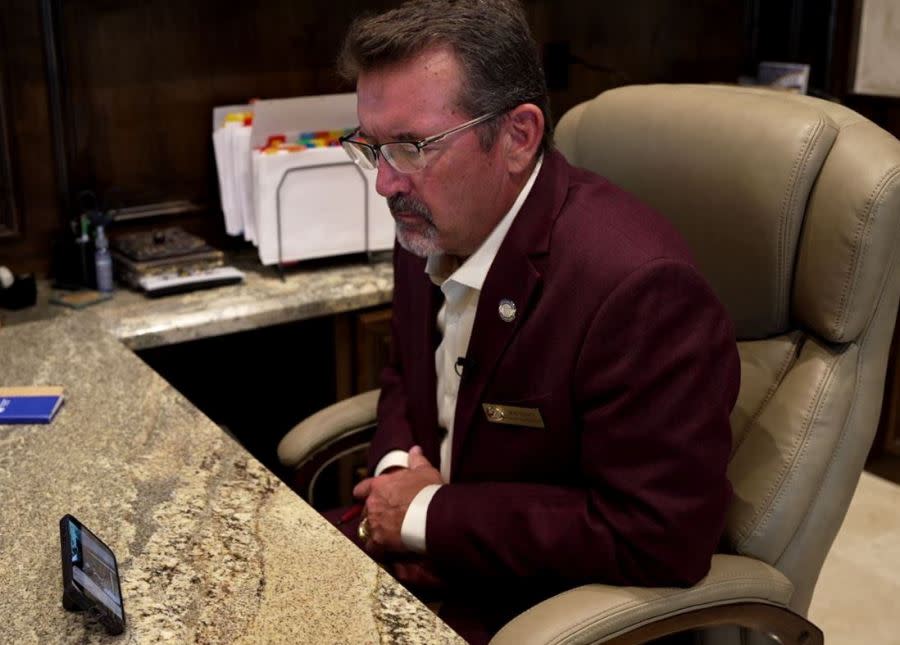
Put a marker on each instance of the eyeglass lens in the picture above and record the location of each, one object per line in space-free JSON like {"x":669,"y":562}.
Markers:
{"x":363,"y":156}
{"x":403,"y":156}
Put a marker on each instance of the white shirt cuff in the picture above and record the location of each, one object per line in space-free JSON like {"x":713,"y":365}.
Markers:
{"x":393,"y":458}
{"x":412,"y":532}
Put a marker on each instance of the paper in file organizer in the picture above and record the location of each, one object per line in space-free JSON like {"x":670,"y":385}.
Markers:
{"x":243,"y":181}
{"x":224,"y":133}
{"x":327,"y":205}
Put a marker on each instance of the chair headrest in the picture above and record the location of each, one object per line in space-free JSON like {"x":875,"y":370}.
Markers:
{"x":771,"y":190}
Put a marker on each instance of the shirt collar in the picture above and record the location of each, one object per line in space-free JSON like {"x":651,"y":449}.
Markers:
{"x":474,"y":270}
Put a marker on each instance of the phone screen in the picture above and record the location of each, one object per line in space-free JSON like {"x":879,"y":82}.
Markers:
{"x":94,"y":568}
{"x":94,"y":572}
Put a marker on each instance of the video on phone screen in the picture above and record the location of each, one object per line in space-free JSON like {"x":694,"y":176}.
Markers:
{"x":96,"y":572}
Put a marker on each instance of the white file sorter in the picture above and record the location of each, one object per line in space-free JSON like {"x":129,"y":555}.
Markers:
{"x":299,"y":205}
{"x":317,"y":203}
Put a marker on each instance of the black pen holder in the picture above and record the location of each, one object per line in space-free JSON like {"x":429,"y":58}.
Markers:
{"x":20,"y":294}
{"x":73,"y":264}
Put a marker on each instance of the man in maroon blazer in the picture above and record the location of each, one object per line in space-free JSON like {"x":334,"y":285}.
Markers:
{"x":556,"y":407}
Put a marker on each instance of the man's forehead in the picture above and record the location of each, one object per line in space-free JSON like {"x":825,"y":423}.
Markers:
{"x":417,"y":93}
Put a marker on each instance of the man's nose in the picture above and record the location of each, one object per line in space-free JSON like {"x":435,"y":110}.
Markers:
{"x":388,"y":180}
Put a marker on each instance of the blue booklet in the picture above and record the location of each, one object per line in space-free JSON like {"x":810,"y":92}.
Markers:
{"x":29,"y":404}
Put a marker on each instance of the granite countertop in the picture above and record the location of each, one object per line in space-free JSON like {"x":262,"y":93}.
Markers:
{"x":311,"y":290}
{"x":212,"y":547}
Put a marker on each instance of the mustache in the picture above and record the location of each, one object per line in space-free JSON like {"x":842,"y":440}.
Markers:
{"x":404,"y":204}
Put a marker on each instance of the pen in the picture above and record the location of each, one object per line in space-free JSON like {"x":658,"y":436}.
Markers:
{"x":352,"y":513}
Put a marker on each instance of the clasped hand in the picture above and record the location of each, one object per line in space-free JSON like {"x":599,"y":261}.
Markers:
{"x":388,"y":496}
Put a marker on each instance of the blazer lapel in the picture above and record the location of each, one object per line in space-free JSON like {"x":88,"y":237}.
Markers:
{"x":432,"y":300}
{"x":514,"y":276}
{"x":490,"y":336}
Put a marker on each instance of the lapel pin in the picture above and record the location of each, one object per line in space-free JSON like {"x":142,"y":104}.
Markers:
{"x":507,"y":310}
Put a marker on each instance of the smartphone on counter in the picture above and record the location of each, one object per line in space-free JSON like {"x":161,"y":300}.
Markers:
{"x":90,"y":575}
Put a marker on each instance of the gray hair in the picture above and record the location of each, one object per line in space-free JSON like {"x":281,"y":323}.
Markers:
{"x":491,"y":39}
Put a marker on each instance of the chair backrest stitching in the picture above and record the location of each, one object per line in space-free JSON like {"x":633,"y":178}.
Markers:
{"x":843,"y":435}
{"x":866,"y":222}
{"x":786,"y":203}
{"x":814,"y":411}
{"x":807,"y":511}
{"x":776,"y":489}
{"x":788,"y":360}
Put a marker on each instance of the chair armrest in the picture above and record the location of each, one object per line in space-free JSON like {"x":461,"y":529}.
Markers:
{"x":599,"y":613}
{"x":327,"y":425}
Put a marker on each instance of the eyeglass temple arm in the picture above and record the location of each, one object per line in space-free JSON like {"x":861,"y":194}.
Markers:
{"x":468,"y":124}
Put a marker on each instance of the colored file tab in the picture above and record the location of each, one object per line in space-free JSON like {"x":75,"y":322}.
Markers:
{"x":29,"y":404}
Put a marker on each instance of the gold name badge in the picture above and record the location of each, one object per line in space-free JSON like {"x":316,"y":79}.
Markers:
{"x":512,"y":415}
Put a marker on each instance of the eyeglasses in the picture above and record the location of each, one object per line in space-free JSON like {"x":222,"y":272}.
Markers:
{"x":404,"y":156}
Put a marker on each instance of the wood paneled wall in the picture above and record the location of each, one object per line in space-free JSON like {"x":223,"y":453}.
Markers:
{"x":30,"y":183}
{"x":140,"y":78}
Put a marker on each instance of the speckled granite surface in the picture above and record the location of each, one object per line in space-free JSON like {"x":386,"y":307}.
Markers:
{"x":261,"y":300}
{"x":212,"y":548}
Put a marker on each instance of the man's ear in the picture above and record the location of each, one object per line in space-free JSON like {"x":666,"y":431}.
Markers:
{"x":523,"y":132}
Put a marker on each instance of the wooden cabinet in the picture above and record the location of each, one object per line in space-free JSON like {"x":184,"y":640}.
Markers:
{"x":373,"y":347}
{"x":362,"y":346}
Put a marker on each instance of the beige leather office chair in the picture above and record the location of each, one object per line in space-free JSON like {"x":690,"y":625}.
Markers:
{"x":792,"y":207}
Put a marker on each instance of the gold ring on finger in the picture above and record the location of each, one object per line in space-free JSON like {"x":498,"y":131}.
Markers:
{"x":362,"y":530}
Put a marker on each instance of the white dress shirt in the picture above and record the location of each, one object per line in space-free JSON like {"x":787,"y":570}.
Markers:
{"x":461,"y":285}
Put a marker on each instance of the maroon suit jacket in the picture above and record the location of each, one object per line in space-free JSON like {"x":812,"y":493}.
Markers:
{"x":630,"y":358}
